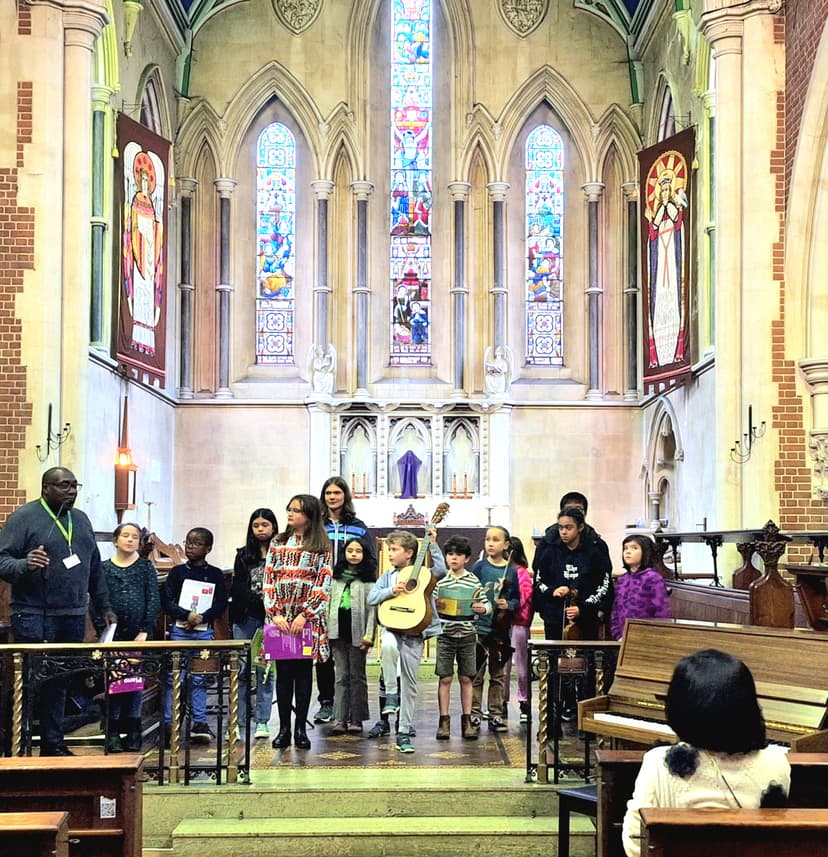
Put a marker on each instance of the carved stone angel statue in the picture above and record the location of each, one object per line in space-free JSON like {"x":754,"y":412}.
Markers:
{"x":322,"y":369}
{"x":497,"y":363}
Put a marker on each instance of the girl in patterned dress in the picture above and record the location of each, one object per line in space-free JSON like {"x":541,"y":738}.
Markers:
{"x":295,"y":588}
{"x":640,"y":592}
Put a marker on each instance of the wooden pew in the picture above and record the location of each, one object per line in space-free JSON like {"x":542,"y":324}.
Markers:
{"x":101,"y":794}
{"x":34,"y":834}
{"x":617,"y":770}
{"x":727,"y":832}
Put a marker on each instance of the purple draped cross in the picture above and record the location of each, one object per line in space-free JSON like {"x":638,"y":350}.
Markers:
{"x":408,"y":467}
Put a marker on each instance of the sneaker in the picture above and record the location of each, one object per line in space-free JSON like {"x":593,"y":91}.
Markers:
{"x":497,"y":725}
{"x":235,"y":738}
{"x":339,"y":728}
{"x":261,"y":731}
{"x":355,"y":728}
{"x":404,"y":744}
{"x":379,"y":730}
{"x":475,"y":721}
{"x":392,"y":704}
{"x":200,"y":733}
{"x":325,"y":713}
{"x":524,"y":712}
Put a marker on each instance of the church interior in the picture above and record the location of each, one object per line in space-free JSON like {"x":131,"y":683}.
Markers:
{"x":481,"y":252}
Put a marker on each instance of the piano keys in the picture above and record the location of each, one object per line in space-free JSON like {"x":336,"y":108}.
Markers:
{"x":790,"y":668}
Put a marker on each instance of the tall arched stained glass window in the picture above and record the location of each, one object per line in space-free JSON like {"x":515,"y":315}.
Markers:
{"x":410,"y":203}
{"x":275,"y":225}
{"x":544,"y":247}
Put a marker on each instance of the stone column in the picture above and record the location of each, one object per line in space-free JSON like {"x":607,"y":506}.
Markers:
{"x":362,"y":190}
{"x":497,"y":193}
{"x":632,"y":291}
{"x":744,"y":43}
{"x":101,"y":161}
{"x":224,"y":188}
{"x":594,"y":291}
{"x":186,"y":189}
{"x":322,"y":190}
{"x":459,"y":194}
{"x":81,"y":26}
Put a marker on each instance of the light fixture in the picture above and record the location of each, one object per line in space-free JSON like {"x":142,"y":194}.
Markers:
{"x":741,"y":449}
{"x":125,"y":469}
{"x":54,"y":440}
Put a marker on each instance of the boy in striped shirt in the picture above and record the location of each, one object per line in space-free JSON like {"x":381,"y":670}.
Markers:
{"x":460,"y":600}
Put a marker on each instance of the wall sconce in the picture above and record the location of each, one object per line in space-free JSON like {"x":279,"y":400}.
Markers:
{"x":54,"y":440}
{"x":740,"y":451}
{"x":125,"y":470}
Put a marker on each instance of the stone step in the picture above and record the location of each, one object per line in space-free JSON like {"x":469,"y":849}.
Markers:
{"x":423,"y":836}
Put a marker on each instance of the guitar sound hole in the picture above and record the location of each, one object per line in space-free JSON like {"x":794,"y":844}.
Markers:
{"x":410,"y":585}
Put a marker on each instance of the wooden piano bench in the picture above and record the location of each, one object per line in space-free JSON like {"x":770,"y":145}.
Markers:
{"x":580,"y":799}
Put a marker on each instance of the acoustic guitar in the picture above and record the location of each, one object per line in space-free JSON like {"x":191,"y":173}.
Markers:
{"x":410,"y":611}
{"x":572,"y":630}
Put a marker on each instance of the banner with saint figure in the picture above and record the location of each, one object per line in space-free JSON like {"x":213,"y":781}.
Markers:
{"x":665,"y":176}
{"x":143,"y":196}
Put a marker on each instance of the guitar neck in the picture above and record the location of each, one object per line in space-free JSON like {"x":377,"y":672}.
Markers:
{"x":414,"y":570}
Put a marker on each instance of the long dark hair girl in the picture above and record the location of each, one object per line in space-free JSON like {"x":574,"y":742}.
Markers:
{"x":347,"y":513}
{"x":252,"y":550}
{"x":367,"y":569}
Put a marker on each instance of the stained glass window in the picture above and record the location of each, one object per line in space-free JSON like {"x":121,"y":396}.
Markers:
{"x":544,"y":247}
{"x":275,"y":263}
{"x":410,"y":203}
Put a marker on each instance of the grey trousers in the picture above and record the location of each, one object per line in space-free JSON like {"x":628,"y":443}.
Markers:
{"x":405,"y":652}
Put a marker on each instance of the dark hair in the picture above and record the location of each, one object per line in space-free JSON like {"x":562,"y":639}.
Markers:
{"x":571,"y":512}
{"x":120,"y":528}
{"x":646,"y":545}
{"x":252,"y":550}
{"x":457,"y":544}
{"x":347,"y":514}
{"x":315,"y":538}
{"x":203,"y":533}
{"x":53,"y":471}
{"x":574,"y":497}
{"x":367,"y":570}
{"x":518,"y":555}
{"x":711,"y":704}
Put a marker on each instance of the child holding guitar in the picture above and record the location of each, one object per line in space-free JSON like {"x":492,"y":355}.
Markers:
{"x":404,"y":596}
{"x":499,"y":577}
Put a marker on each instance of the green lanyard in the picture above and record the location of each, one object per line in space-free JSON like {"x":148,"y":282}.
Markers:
{"x":67,"y":534}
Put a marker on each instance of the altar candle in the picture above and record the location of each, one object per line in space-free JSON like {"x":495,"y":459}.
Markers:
{"x":353,"y":482}
{"x":465,"y":484}
{"x":365,"y":484}
{"x":453,"y":484}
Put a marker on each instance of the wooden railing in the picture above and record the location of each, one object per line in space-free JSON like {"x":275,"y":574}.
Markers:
{"x":23,"y":668}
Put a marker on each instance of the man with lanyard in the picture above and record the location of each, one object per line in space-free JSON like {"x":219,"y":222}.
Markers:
{"x":49,"y":556}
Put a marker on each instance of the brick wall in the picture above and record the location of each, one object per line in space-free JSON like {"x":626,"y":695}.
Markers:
{"x":804,"y":23}
{"x":16,"y":256}
{"x":801,"y":27}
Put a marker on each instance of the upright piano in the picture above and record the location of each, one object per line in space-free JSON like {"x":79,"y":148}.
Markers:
{"x":790,"y":668}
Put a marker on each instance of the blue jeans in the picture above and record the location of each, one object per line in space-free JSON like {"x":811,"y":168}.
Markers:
{"x":264,"y":687}
{"x":198,"y":695}
{"x":40,"y":628}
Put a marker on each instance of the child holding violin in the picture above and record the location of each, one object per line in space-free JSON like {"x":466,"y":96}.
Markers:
{"x":573,"y":582}
{"x":494,"y":649}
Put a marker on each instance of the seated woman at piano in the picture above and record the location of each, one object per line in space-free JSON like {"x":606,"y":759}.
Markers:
{"x":722,"y":760}
{"x":573,"y":581}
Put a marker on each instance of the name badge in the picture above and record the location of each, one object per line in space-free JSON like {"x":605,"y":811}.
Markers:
{"x":72,"y":561}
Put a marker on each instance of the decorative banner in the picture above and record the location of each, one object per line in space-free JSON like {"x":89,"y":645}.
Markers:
{"x":523,"y":17}
{"x":665,"y":177}
{"x":141,"y":178}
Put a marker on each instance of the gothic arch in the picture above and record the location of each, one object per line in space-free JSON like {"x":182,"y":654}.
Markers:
{"x":664,"y":450}
{"x":341,"y":139}
{"x":617,"y":133}
{"x":806,"y":264}
{"x":479,"y":145}
{"x":662,"y":86}
{"x":106,"y":71}
{"x":547,"y":85}
{"x":458,"y":18}
{"x":199,"y":130}
{"x":152,"y":73}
